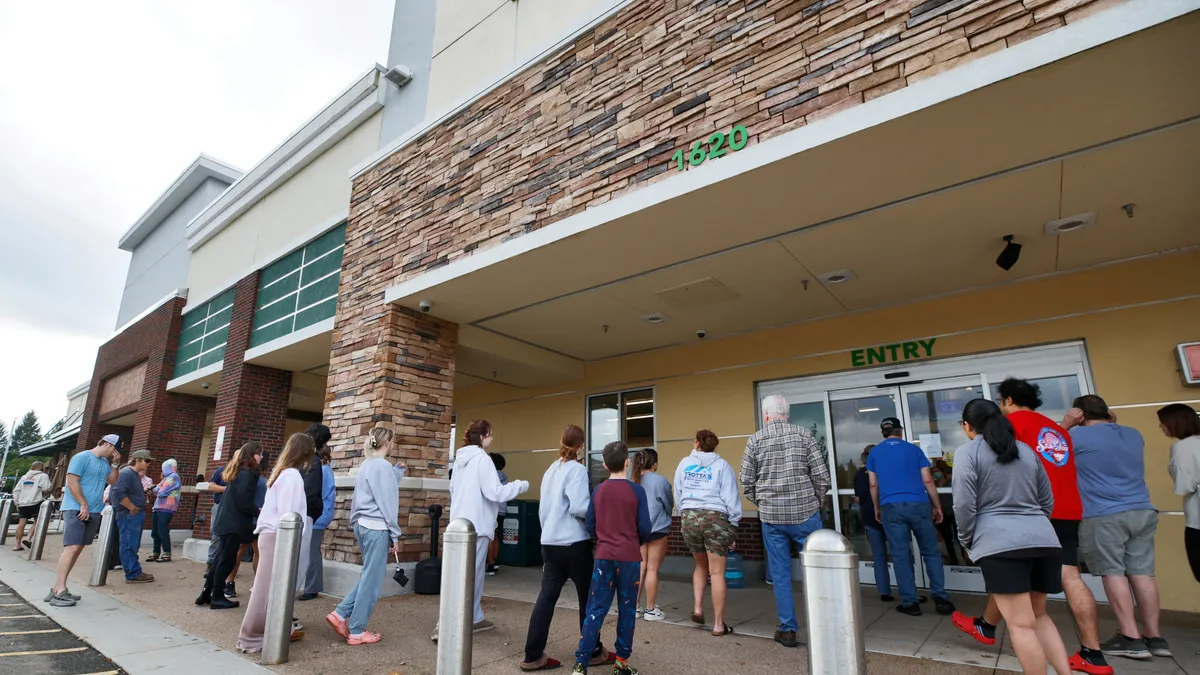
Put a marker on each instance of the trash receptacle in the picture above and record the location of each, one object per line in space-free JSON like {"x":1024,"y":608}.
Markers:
{"x":521,"y":535}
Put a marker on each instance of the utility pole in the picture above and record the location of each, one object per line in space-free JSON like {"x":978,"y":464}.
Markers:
{"x":7,"y":450}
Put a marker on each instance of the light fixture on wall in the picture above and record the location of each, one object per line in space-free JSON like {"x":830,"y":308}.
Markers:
{"x":1069,"y":224}
{"x":399,"y":75}
{"x":1008,"y":257}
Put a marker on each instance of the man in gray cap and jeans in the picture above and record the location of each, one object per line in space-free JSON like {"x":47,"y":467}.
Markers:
{"x":87,"y":475}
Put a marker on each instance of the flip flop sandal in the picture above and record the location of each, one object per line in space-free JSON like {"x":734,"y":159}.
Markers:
{"x":167,"y":559}
{"x":728,"y":631}
{"x":698,"y":618}
{"x":550,"y":664}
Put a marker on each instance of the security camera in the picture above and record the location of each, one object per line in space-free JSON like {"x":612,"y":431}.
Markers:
{"x":204,"y":385}
{"x":425,"y":306}
{"x":701,"y":333}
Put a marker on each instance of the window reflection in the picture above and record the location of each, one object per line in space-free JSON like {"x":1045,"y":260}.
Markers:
{"x":1057,"y":394}
{"x":855,"y":426}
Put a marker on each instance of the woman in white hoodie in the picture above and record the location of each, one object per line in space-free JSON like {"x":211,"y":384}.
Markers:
{"x":709,"y":510}
{"x":476,"y":494}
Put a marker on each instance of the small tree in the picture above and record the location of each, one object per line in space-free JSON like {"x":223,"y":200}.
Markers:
{"x":27,"y":432}
{"x":3,"y":437}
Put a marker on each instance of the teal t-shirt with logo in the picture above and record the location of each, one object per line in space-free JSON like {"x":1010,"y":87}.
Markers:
{"x":93,"y":478}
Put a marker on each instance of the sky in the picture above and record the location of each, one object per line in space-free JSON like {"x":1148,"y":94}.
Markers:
{"x":102,"y":106}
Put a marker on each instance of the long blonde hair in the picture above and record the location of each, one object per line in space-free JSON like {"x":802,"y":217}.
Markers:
{"x":244,"y":456}
{"x":297,"y":454}
{"x":379,"y":437}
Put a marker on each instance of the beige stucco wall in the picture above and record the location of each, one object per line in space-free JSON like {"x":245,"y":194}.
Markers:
{"x":1130,"y":352}
{"x":476,"y":42}
{"x":305,"y":206}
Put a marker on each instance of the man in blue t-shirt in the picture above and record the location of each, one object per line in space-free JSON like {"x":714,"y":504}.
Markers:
{"x":907,"y":504}
{"x":88,"y":474}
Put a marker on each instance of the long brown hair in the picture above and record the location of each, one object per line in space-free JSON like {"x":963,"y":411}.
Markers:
{"x":476,"y":432}
{"x":641,"y":462}
{"x":297,"y":454}
{"x":242,"y":458}
{"x":572,"y":441}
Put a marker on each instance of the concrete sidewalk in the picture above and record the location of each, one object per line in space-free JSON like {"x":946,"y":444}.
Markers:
{"x":405,"y":623}
{"x":137,"y":642}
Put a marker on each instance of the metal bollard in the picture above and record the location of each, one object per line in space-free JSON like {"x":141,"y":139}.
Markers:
{"x":6,"y":511}
{"x":456,"y":614}
{"x":833,"y":605}
{"x":39,"y":531}
{"x":281,"y":598}
{"x":103,"y":546}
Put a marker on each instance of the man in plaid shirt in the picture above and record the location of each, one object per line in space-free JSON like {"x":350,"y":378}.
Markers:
{"x":785,"y":476}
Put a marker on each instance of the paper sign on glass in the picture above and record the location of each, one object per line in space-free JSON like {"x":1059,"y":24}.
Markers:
{"x":932,"y":445}
{"x":220,"y":442}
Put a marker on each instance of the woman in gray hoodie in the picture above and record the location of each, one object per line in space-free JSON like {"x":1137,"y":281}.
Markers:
{"x":1003,"y":501}
{"x":374,"y":517}
{"x":661,"y":501}
{"x":709,"y":510}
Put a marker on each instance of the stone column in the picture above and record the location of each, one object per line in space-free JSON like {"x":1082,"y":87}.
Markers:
{"x":398,"y":370}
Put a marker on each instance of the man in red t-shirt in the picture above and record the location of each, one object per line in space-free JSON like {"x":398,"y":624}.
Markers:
{"x":1018,"y":400}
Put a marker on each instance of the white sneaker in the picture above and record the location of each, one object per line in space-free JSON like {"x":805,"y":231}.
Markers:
{"x":655,"y":614}
{"x":641,"y":612}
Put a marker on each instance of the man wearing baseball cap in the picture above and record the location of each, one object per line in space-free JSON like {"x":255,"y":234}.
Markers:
{"x":128,"y":499}
{"x":87,"y":475}
{"x":907,"y":505}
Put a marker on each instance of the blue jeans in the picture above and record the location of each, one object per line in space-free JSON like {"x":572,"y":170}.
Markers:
{"x":879,"y":551}
{"x":160,"y":532}
{"x":609,"y":577}
{"x":129,"y":534}
{"x":777,"y":539}
{"x":360,"y":601}
{"x":899,"y":520}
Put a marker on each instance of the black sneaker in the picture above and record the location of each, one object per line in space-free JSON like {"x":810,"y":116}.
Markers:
{"x":1130,"y":648}
{"x":230,"y":590}
{"x":943,"y":606}
{"x":1158,"y":646}
{"x":787,"y":638}
{"x":618,"y":670}
{"x":912,"y":609}
{"x":579,"y":669}
{"x":492,"y":569}
{"x":887,"y":598}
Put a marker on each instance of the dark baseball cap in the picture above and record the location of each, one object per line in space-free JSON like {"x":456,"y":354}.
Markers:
{"x":890,"y":423}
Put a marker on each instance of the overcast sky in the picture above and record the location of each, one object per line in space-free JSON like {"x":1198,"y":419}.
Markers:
{"x":102,"y":105}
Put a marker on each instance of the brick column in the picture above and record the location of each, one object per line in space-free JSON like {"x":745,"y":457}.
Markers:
{"x":251,"y":400}
{"x":397,"y":369}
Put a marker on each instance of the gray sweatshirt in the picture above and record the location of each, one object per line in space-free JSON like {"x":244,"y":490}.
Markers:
{"x":659,"y":499}
{"x":1001,"y":507}
{"x":377,"y":494}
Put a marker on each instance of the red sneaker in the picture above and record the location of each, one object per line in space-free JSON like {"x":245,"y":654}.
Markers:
{"x":338,"y":624}
{"x":1077,"y":662}
{"x":967,"y":625}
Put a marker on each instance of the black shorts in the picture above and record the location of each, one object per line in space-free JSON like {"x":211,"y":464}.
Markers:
{"x":1068,"y":538}
{"x":1022,"y":571}
{"x":655,"y":536}
{"x":29,"y":512}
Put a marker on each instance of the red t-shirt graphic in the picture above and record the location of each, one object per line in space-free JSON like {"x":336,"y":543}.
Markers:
{"x":1053,"y":446}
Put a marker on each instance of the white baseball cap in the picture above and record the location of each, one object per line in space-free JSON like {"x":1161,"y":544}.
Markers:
{"x":113,"y":440}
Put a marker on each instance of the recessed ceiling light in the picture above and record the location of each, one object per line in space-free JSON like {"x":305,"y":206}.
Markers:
{"x":1070,"y":224}
{"x":656,"y":317}
{"x":836,"y":277}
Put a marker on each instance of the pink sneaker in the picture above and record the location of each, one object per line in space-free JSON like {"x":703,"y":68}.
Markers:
{"x":338,"y":624}
{"x":365,"y":639}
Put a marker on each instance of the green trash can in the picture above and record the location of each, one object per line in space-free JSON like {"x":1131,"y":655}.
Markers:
{"x":520,"y":535}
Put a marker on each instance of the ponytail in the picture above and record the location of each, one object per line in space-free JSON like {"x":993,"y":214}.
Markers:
{"x":379,"y":436}
{"x":476,"y":432}
{"x":637,"y":465}
{"x":987,"y":420}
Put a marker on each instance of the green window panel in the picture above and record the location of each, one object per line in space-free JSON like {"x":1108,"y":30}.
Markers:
{"x":281,"y":268}
{"x":217,"y":339}
{"x":217,"y":321}
{"x":322,"y":290}
{"x":184,"y":367}
{"x":316,"y":313}
{"x":195,"y":317}
{"x":189,"y":351}
{"x":325,"y":243}
{"x":282,"y":288}
{"x":215,"y":356}
{"x":322,"y":267}
{"x":190,"y":335}
{"x":271,"y":331}
{"x":275,"y":312}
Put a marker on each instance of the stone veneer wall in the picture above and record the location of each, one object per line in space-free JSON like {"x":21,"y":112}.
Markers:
{"x":597,"y":119}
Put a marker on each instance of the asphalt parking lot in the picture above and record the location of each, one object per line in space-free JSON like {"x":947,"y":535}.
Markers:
{"x":31,"y":643}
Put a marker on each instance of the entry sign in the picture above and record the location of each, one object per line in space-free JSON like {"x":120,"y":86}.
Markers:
{"x":901,"y":351}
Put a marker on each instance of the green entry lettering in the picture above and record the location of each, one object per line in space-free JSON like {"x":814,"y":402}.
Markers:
{"x":857,"y":359}
{"x":876,"y":355}
{"x":910,"y":351}
{"x":928,"y":345}
{"x":894,"y":349}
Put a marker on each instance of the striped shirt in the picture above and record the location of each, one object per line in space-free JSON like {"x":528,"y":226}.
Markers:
{"x":784,"y":473}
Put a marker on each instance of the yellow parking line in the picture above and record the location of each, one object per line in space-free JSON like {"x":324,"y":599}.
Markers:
{"x":44,"y":651}
{"x":23,"y":616}
{"x":14,"y":604}
{"x":32,"y":632}
{"x":106,"y":672}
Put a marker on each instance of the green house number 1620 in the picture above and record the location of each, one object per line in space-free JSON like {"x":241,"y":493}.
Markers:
{"x":718,"y":144}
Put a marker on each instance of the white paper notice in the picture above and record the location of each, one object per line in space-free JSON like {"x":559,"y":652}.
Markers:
{"x":220,"y":442}
{"x":932,"y":445}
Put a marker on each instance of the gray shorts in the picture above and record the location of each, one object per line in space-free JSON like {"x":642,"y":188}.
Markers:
{"x":1119,"y":544}
{"x":78,"y":532}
